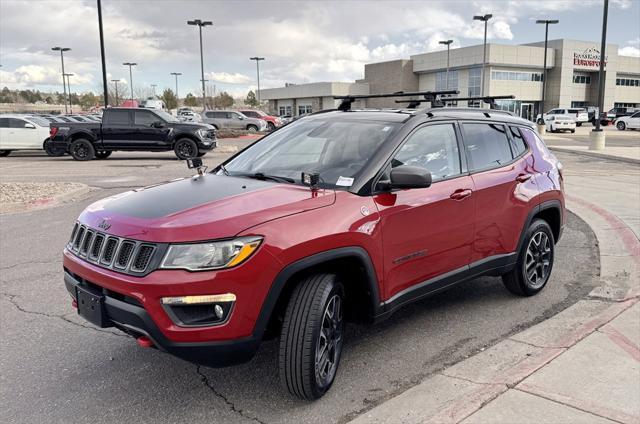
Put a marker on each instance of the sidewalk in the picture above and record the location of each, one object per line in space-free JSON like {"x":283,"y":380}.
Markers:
{"x":620,"y":145}
{"x":580,"y":366}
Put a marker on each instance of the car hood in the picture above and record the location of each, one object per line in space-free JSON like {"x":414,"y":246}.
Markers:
{"x":205,"y":208}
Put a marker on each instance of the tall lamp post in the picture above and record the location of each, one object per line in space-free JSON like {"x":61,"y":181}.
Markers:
{"x":597,"y":139}
{"x":69,"y":87}
{"x":546,"y":23}
{"x":448,"y":44}
{"x":153,"y":88}
{"x":201,"y":24}
{"x":116,"y":83}
{"x":257,"y":59}
{"x":64,"y":86}
{"x":130,"y":65}
{"x":484,"y":18}
{"x":176,"y":74}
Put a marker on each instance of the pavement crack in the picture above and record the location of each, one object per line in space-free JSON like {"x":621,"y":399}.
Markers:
{"x":4,"y":268}
{"x":468,"y":380}
{"x":537,"y":346}
{"x":231,"y":405}
{"x":12,"y":299}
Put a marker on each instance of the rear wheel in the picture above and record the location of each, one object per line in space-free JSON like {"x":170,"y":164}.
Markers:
{"x":572,"y":131}
{"x":103,"y":154}
{"x":252,"y":128}
{"x":271,"y":126}
{"x":47,"y":146}
{"x":535,"y":261}
{"x":4,"y":153}
{"x":82,"y":150}
{"x":578,"y":124}
{"x":312,"y":336}
{"x":185,"y":149}
{"x":621,"y":126}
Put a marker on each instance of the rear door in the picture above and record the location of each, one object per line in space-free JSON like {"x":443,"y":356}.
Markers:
{"x":501,"y":167}
{"x":6,"y":141}
{"x":148,"y":136}
{"x":24,"y":134}
{"x":117,"y":129}
{"x":634,"y":120}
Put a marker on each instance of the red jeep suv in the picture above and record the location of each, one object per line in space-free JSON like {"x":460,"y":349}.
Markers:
{"x":341,"y":215}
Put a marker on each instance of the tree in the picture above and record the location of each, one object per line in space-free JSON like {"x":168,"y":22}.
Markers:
{"x":190,"y":100}
{"x":223,"y":100}
{"x":88,"y":100}
{"x":251,"y":99}
{"x":169,"y":98}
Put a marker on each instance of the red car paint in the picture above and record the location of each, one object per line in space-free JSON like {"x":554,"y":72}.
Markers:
{"x":254,"y":113}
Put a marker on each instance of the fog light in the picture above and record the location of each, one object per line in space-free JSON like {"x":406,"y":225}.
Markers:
{"x":199,"y":300}
{"x":219,"y":311}
{"x":199,"y":310}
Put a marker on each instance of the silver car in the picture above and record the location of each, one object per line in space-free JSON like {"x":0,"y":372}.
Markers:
{"x":233,"y":120}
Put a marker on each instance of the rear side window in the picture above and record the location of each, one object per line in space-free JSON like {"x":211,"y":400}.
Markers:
{"x":487,"y":145}
{"x":518,"y":145}
{"x":117,"y":117}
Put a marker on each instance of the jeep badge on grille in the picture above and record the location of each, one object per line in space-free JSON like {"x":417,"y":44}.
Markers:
{"x":104,"y":225}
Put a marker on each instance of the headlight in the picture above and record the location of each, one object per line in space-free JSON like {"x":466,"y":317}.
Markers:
{"x":202,"y":132}
{"x":210,"y":255}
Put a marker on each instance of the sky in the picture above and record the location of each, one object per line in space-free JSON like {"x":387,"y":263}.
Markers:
{"x":302,"y":41}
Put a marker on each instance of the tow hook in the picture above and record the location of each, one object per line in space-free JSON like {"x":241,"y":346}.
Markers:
{"x":144,"y":341}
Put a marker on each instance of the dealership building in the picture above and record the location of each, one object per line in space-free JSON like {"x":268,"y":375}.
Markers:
{"x":572,"y":79}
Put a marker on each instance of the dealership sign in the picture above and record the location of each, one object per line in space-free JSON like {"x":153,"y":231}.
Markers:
{"x":589,"y":58}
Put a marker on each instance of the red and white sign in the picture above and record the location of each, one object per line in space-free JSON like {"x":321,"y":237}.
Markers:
{"x":589,"y":58}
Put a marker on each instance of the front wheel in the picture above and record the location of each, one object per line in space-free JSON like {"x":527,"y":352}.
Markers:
{"x":621,"y":126}
{"x":185,"y":149}
{"x":535,"y":261}
{"x":312,"y":336}
{"x":103,"y":154}
{"x":4,"y":153}
{"x":82,"y":150}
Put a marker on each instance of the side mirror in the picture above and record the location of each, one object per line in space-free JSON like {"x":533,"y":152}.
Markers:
{"x":407,"y":176}
{"x":30,"y":126}
{"x":157,"y":124}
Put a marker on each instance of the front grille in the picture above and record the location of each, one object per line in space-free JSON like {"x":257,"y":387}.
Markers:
{"x":116,"y":253}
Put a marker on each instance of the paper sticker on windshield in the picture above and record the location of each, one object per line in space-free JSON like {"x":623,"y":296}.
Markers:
{"x":344,"y":182}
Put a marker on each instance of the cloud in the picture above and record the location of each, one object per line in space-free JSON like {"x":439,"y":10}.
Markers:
{"x":36,"y":75}
{"x":629,"y":51}
{"x":235,"y":78}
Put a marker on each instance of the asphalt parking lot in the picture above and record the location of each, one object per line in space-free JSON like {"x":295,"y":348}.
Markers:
{"x":58,"y":368}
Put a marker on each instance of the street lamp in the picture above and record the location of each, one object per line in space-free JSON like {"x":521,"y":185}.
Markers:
{"x":64,"y":87}
{"x":176,"y":75}
{"x":546,"y":23}
{"x":130,"y":64}
{"x":69,"y":87}
{"x":102,"y":56}
{"x":153,"y":87}
{"x":201,"y":24}
{"x":116,"y":83}
{"x":597,"y":139}
{"x":485,"y":19}
{"x":448,"y":44}
{"x":257,"y":59}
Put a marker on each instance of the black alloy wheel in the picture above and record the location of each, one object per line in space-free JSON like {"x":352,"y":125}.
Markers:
{"x":185,"y":149}
{"x":82,"y":150}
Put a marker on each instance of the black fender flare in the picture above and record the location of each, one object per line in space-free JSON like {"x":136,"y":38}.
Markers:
{"x":549,"y":204}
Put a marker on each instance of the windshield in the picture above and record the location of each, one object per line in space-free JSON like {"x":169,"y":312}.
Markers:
{"x":336,"y":149}
{"x":166,"y":116}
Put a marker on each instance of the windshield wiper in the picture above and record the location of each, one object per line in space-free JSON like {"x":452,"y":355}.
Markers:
{"x":262,"y":176}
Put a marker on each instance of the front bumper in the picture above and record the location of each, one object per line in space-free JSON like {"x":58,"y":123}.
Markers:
{"x":127,"y":314}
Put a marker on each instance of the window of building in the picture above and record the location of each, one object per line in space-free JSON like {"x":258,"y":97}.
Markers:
{"x":625,"y":105}
{"x":516,"y":76}
{"x":441,"y":80}
{"x":578,"y":104}
{"x":281,"y":111}
{"x":518,"y":145}
{"x":581,"y":79}
{"x":302,"y":109}
{"x":628,"y":82}
{"x":487,"y":145}
{"x":475,"y":81}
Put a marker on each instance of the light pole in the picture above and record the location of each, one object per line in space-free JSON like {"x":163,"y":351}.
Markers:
{"x":448,"y":44}
{"x":102,"y":56}
{"x":484,"y":18}
{"x":64,"y":86}
{"x":546,"y":23}
{"x":69,"y":87}
{"x":201,"y":24}
{"x":116,"y":83}
{"x":130,"y":64}
{"x":257,"y":59}
{"x":153,"y":87}
{"x":597,"y":139}
{"x":176,"y":75}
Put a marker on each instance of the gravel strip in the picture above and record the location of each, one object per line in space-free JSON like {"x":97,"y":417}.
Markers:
{"x":12,"y":193}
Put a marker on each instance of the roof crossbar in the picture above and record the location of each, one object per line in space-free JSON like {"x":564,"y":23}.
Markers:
{"x":491,"y":100}
{"x":430,"y":96}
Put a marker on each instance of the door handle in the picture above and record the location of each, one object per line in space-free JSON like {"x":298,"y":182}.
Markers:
{"x":460,"y":194}
{"x":521,"y":178}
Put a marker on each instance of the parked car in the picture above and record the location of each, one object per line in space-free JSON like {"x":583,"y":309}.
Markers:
{"x":273,"y":122}
{"x":579,"y":115}
{"x":189,"y":116}
{"x":79,"y":118}
{"x":557,"y":123}
{"x":631,"y":122}
{"x":152,"y":103}
{"x":285,"y":119}
{"x":22,"y":132}
{"x":233,"y":120}
{"x":340,"y":215}
{"x":132,"y":129}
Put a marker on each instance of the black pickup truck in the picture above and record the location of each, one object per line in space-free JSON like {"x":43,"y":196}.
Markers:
{"x":132,"y":129}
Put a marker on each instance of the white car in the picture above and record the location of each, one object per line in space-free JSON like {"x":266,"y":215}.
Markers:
{"x":20,"y":132}
{"x":189,"y":116}
{"x":579,"y":115}
{"x":628,"y":122}
{"x":558,"y":123}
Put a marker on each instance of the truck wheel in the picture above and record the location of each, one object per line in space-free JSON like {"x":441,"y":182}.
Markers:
{"x":535,"y":261}
{"x":252,"y":128}
{"x":185,"y":149}
{"x":4,"y":153}
{"x":82,"y":149}
{"x":103,"y":154}
{"x":47,"y":146}
{"x":312,"y":336}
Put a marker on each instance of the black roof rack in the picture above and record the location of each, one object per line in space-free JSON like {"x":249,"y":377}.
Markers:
{"x":432,"y":97}
{"x":491,"y":100}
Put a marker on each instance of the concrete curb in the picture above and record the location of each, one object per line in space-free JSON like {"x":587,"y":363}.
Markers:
{"x":461,"y":390}
{"x":594,"y":154}
{"x":47,"y":202}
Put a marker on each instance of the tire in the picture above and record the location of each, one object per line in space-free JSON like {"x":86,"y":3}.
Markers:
{"x":185,"y":148}
{"x":272,"y":126}
{"x":252,"y":128}
{"x":578,"y":124}
{"x":47,"y":146}
{"x":82,"y":150}
{"x":200,"y":154}
{"x":306,"y":322}
{"x":541,"y":121}
{"x":103,"y":154}
{"x":538,"y":250}
{"x":4,"y":153}
{"x":572,"y":131}
{"x":621,"y":126}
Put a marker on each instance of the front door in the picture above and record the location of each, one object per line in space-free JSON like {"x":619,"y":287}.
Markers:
{"x":427,"y":232}
{"x":147,"y":135}
{"x":526,"y":111}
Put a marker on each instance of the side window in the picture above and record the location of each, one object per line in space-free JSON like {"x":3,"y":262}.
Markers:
{"x":518,"y":145}
{"x":434,"y":148}
{"x":4,"y":122}
{"x":117,"y":117}
{"x":210,"y":114}
{"x":16,"y":123}
{"x":144,"y":118}
{"x":487,"y":145}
